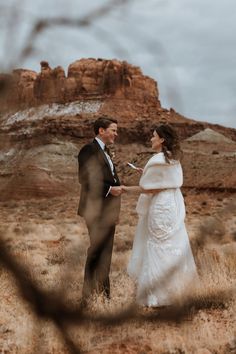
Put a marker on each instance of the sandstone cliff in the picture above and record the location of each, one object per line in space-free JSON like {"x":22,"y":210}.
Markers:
{"x":86,"y":79}
{"x":46,"y":117}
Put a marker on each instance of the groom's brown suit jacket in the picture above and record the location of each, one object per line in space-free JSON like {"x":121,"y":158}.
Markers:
{"x":96,"y":178}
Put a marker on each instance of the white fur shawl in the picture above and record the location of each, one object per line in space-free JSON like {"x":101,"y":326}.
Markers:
{"x":158,"y":174}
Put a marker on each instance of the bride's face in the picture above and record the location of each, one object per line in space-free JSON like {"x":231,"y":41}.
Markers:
{"x":156,"y":142}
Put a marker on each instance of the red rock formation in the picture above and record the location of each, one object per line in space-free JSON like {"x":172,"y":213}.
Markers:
{"x":18,"y":91}
{"x":87,"y":78}
{"x":45,"y":118}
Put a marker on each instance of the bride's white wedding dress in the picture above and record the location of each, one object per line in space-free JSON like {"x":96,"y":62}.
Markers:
{"x":161,"y":263}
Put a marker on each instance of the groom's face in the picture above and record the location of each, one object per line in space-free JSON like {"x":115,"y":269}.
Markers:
{"x":109,"y":134}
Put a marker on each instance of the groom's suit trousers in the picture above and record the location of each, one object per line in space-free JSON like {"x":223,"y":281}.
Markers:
{"x":98,"y":262}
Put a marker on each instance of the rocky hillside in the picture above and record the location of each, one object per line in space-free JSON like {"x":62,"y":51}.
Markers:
{"x":46,"y":117}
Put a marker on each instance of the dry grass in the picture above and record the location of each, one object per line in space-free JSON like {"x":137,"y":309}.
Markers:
{"x":53,"y":251}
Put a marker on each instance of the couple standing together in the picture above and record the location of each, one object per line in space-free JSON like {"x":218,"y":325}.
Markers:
{"x":161,"y":262}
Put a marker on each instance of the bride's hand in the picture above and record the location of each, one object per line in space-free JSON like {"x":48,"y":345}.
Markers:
{"x":130,"y":188}
{"x":139,"y":169}
{"x":124,"y":188}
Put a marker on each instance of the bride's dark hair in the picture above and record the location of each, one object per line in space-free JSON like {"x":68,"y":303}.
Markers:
{"x":171,"y":145}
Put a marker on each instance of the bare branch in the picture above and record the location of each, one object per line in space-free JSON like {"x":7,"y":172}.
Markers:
{"x":43,"y":24}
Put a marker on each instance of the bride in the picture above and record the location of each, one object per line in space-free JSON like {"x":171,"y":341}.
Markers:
{"x":161,"y":263}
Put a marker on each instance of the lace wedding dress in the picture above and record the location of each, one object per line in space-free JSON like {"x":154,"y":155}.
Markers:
{"x":161,"y":263}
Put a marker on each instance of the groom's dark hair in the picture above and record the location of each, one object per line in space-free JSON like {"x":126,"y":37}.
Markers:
{"x":103,"y":122}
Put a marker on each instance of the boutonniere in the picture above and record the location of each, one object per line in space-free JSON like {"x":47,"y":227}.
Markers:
{"x":113,"y":155}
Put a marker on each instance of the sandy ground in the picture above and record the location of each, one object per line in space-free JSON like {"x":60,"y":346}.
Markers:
{"x":50,"y":240}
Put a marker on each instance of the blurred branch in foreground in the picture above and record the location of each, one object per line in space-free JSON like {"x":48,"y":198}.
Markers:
{"x":48,"y":305}
{"x":43,"y":24}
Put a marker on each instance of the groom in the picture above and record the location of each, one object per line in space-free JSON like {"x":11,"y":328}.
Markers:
{"x":99,"y":205}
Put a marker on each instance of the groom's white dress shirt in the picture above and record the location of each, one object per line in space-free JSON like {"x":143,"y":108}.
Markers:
{"x":102,"y":145}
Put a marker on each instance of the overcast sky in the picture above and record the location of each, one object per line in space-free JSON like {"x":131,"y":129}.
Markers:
{"x":188,"y":46}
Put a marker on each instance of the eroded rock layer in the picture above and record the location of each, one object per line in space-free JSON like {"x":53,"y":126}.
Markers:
{"x":45,"y":118}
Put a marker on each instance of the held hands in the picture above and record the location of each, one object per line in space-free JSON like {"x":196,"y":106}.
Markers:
{"x":116,"y":191}
{"x":138,"y":189}
{"x":131,"y":189}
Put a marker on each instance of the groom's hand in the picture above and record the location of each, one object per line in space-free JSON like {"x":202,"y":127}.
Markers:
{"x":116,"y":191}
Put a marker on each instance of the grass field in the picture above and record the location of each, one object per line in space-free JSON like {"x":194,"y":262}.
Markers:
{"x":48,"y":239}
